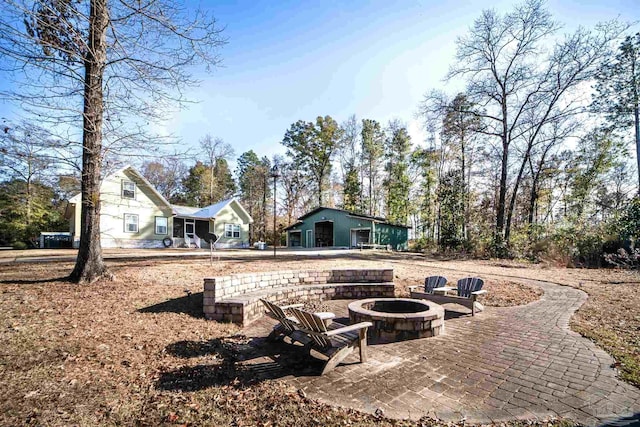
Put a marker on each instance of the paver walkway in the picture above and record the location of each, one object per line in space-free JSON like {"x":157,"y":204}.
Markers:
{"x":503,"y":364}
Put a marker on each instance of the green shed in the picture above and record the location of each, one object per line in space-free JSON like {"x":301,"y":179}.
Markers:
{"x":329,"y":227}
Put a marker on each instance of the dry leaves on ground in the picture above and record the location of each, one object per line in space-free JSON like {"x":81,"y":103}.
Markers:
{"x":136,"y":350}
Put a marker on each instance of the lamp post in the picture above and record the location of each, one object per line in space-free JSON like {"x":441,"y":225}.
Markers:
{"x":275,"y":173}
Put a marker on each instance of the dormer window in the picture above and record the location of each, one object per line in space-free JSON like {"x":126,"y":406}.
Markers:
{"x":128,"y":190}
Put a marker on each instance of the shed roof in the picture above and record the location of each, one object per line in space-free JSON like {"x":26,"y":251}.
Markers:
{"x":377,"y":219}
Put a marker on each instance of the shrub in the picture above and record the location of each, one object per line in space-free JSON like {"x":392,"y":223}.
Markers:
{"x":19,"y":245}
{"x":421,"y":244}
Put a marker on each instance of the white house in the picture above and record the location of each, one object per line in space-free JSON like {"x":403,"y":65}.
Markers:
{"x":134,"y":214}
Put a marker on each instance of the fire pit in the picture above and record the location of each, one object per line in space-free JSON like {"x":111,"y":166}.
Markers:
{"x":397,"y":319}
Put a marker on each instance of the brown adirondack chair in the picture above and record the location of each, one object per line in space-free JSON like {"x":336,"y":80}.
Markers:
{"x":335,"y":341}
{"x":287,"y":324}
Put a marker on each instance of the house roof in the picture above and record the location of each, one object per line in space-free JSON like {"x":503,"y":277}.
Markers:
{"x":184,"y":210}
{"x":378,"y":219}
{"x":208,"y":212}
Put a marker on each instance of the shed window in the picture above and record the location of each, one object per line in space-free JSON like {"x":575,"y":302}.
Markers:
{"x":130,"y":223}
{"x":162,"y":224}
{"x":128,"y":190}
{"x":232,"y":230}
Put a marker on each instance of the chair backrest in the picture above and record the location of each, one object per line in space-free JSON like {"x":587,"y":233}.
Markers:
{"x":277,"y":312}
{"x":468,"y":285}
{"x":434,"y":282}
{"x":314,"y":323}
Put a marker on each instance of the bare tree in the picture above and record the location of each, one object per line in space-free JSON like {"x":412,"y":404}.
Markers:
{"x":166,"y":176}
{"x":215,"y":150}
{"x":511,"y":72}
{"x":295,"y":187}
{"x":124,"y":63}
{"x":24,"y":155}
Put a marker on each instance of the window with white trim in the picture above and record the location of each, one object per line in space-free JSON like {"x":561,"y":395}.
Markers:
{"x":128,"y":189}
{"x":232,"y":230}
{"x":130,"y":223}
{"x":162,"y":225}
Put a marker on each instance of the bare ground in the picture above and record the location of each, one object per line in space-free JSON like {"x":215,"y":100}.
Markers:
{"x":100,"y":354}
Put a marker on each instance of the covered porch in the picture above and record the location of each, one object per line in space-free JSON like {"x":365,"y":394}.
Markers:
{"x":192,"y":232}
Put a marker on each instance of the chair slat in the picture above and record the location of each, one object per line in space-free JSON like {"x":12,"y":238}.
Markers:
{"x":468,"y":285}
{"x":432,"y":282}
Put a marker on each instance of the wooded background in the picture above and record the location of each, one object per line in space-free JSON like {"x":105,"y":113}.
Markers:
{"x":537,"y":158}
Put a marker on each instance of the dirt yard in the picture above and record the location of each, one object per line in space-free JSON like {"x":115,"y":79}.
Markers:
{"x":96,"y":355}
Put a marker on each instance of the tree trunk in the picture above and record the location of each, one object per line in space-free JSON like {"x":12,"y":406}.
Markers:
{"x":29,"y":196}
{"x":465,"y":186}
{"x":370,"y":187}
{"x":320,"y":179}
{"x":89,"y":263}
{"x":533,"y":199}
{"x":502,"y":193}
{"x":263,"y":232}
{"x":637,"y":126}
{"x":514,"y":194}
{"x":636,"y":115}
{"x":502,"y":196}
{"x":211,"y":183}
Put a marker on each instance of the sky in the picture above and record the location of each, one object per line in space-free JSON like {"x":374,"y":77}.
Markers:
{"x":291,"y":60}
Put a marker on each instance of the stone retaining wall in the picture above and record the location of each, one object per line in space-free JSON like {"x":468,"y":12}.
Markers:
{"x":236,"y":298}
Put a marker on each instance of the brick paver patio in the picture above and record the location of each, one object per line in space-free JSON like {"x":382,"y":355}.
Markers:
{"x":503,"y":364}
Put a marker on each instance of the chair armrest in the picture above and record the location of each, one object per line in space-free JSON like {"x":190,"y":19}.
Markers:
{"x":349,"y":328}
{"x":480,"y":292}
{"x":284,"y":307}
{"x":325,"y":315}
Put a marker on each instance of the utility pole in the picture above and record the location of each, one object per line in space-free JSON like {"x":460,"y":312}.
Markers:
{"x":275,"y":173}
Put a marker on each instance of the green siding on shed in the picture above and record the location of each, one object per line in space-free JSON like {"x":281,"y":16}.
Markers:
{"x":343,"y":224}
{"x":387,"y":234}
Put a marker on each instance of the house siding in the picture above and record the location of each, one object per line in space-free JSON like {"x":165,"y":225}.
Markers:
{"x":231,"y":214}
{"x":113,"y":208}
{"x":74,"y":225}
{"x":148,"y":205}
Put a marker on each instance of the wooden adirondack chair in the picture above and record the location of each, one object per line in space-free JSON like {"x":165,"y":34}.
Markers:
{"x":467,"y":291}
{"x":430,"y":283}
{"x":287,"y":325}
{"x":333,"y":342}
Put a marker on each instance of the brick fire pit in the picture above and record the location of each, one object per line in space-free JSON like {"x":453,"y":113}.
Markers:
{"x":397,"y":319}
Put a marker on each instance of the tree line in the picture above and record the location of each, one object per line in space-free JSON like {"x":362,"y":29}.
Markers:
{"x":526,"y":160}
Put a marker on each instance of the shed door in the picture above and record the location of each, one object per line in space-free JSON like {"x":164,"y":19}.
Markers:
{"x":309,"y":241}
{"x":359,"y":236}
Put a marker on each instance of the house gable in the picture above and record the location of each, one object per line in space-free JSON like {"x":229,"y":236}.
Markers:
{"x":132,"y":212}
{"x":132,"y":209}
